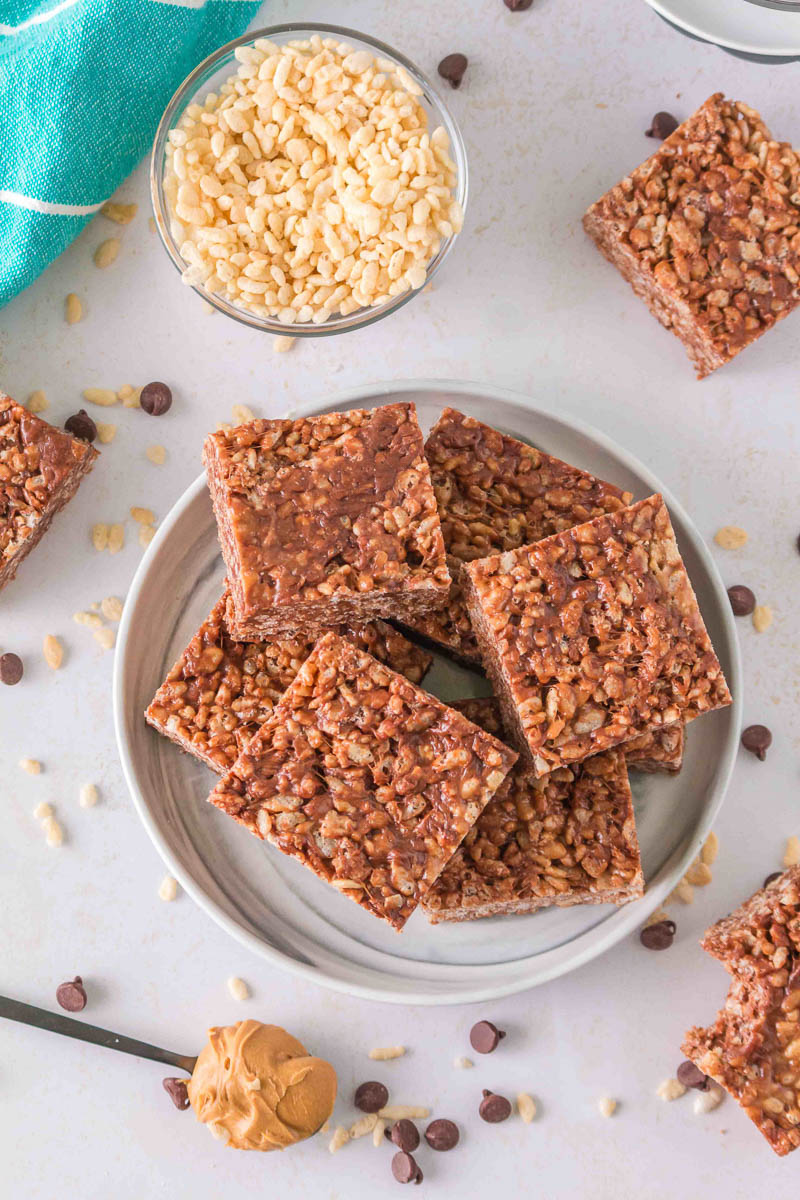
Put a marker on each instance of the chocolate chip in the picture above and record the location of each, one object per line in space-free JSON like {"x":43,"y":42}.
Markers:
{"x":10,"y":668}
{"x":452,"y":68}
{"x":771,"y":878}
{"x":72,"y":995}
{"x":662,"y":125}
{"x":518,"y":5}
{"x":494,"y":1108}
{"x":658,"y":936}
{"x":742,"y":600}
{"x":81,"y":425}
{"x":177,"y":1091}
{"x":405,"y":1169}
{"x":757,"y":739}
{"x":371,"y":1096}
{"x":485,"y":1037}
{"x":156,"y":399}
{"x":405,"y":1134}
{"x":442,"y":1134}
{"x":692,"y":1077}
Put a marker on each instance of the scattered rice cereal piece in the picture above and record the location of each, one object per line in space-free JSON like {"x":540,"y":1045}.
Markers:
{"x":73,"y":309}
{"x":54,"y":833}
{"x":208,"y":309}
{"x":122,"y":214}
{"x":129,"y":396}
{"x":606,"y":1106}
{"x":168,"y":890}
{"x":43,"y":811}
{"x":378,"y":1131}
{"x":53,"y":652}
{"x":103,"y":397}
{"x":241,"y":413}
{"x":105,"y":433}
{"x":100,"y":536}
{"x":31,"y":766}
{"x":143,"y":516}
{"x":710,"y":849}
{"x":363,"y":1126}
{"x":111,"y":608}
{"x":87,"y":796}
{"x":791,"y":855}
{"x":670,"y":1089}
{"x":682,"y":892}
{"x":146,"y":534}
{"x":659,"y":915}
{"x":105,"y":637}
{"x":463,"y":1063}
{"x":730,"y":537}
{"x":326,"y":1127}
{"x":383,"y":1053}
{"x":526,"y":1107}
{"x":340,"y":1138}
{"x":157,"y":454}
{"x":238,"y":988}
{"x":106,"y":252}
{"x":699,"y":874}
{"x":87,"y":618}
{"x":116,"y":538}
{"x":762,"y":618}
{"x":400,"y":1112}
{"x":706,"y":1102}
{"x":38,"y":402}
{"x":281,"y":345}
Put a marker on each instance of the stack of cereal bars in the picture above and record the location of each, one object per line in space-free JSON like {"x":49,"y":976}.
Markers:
{"x":305,"y":699}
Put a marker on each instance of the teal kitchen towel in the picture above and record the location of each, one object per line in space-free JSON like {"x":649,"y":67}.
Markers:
{"x":83,"y":84}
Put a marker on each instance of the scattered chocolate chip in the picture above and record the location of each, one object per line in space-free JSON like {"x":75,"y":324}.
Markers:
{"x":662,"y":125}
{"x":405,"y":1134}
{"x":72,"y":995}
{"x":485,"y":1037}
{"x":156,"y":399}
{"x":10,"y":668}
{"x":742,"y":600}
{"x":771,"y":878}
{"x":757,"y":739}
{"x":81,"y":425}
{"x":658,"y":936}
{"x":494,"y":1108}
{"x":692,"y":1077}
{"x":405,"y":1169}
{"x":371,"y":1096}
{"x":177,"y":1091}
{"x":442,"y":1134}
{"x":518,"y":5}
{"x":452,"y":68}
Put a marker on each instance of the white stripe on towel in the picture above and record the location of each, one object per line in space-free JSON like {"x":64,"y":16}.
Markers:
{"x":50,"y":207}
{"x":36,"y":19}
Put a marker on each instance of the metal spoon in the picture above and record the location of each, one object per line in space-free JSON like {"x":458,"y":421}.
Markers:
{"x":40,"y":1018}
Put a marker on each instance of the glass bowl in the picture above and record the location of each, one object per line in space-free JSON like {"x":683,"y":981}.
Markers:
{"x":208,"y":76}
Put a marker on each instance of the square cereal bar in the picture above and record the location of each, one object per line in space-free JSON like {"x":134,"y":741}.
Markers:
{"x":496,"y":493}
{"x":593,"y":636}
{"x":326,"y":520}
{"x":659,"y":749}
{"x":707,"y":231}
{"x":753,"y":1047}
{"x":40,"y":470}
{"x":567,"y":838}
{"x":366,"y":779}
{"x":220,"y":690}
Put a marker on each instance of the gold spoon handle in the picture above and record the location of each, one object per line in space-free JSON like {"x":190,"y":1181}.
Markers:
{"x":28,"y":1014}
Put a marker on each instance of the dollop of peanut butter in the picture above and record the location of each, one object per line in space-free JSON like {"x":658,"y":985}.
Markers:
{"x":258,"y":1088}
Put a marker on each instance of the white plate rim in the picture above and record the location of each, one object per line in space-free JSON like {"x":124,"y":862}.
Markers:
{"x":664,"y":9}
{"x":562,"y":959}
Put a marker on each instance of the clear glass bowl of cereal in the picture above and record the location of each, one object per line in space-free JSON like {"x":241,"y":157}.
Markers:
{"x":307,"y":181}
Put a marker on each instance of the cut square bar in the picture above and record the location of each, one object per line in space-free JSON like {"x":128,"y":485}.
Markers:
{"x":366,"y":779}
{"x":593,"y":636}
{"x":220,"y":690}
{"x":753,"y":1047}
{"x":326,"y":520}
{"x":707,"y":231}
{"x":567,"y":838}
{"x":496,"y":493}
{"x":40,"y":470}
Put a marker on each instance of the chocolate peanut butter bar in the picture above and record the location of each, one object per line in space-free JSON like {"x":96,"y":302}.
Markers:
{"x":496,"y":493}
{"x":326,"y":520}
{"x":220,"y":690}
{"x":659,"y":749}
{"x":366,"y":779}
{"x":40,"y":470}
{"x":566,"y":838}
{"x":707,"y":231}
{"x":753,"y":1047}
{"x":593,"y":636}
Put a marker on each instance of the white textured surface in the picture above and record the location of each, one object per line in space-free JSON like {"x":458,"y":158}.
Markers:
{"x":527,"y":303}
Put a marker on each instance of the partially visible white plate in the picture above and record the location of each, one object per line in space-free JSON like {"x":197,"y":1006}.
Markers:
{"x":736,"y":24}
{"x":278,"y":908}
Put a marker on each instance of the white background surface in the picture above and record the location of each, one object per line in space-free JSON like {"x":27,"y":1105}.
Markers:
{"x":553,"y":110}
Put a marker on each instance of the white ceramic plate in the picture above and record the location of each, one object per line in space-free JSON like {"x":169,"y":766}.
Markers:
{"x":277,"y":907}
{"x":736,"y":24}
